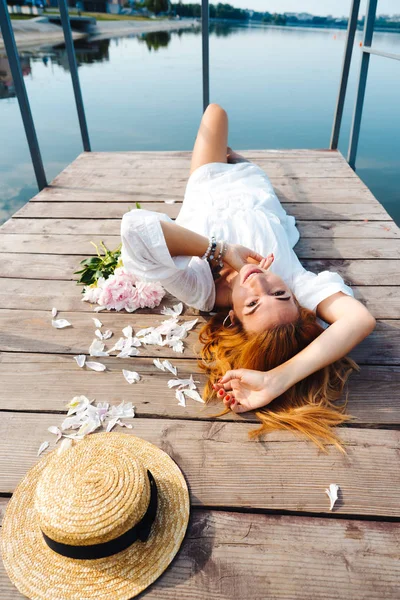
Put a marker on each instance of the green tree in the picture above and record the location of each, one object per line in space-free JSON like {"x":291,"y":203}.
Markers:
{"x":156,"y":6}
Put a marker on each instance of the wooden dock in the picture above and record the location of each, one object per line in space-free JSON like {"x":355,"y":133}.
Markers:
{"x":260,"y":527}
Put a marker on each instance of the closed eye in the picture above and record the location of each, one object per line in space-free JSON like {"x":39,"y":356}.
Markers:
{"x":252,"y":303}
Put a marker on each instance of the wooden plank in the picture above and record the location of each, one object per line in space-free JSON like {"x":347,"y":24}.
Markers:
{"x":112,"y":165}
{"x":256,"y":152}
{"x":115,"y":210}
{"x":305,"y":248}
{"x":288,"y":190}
{"x":31,"y":331}
{"x":307,"y":229}
{"x":45,"y":266}
{"x":23,"y":294}
{"x":231,"y":555}
{"x":358,"y":272}
{"x":46,"y":382}
{"x":343,"y":248}
{"x":282,"y":473}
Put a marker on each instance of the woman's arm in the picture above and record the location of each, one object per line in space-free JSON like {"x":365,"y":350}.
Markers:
{"x":184,"y":242}
{"x":351,"y":323}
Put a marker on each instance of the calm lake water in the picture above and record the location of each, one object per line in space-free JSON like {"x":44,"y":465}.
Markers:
{"x":278,"y":85}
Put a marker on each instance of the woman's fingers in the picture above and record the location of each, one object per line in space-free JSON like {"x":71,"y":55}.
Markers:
{"x":229,"y":375}
{"x":267,"y":262}
{"x":219,"y":387}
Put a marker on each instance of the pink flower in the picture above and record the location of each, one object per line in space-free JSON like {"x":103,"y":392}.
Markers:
{"x":149,"y":295}
{"x":123,"y":291}
{"x":130,"y":276}
{"x":119,"y":293}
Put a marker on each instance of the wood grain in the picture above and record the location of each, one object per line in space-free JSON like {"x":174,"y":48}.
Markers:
{"x":306,"y":248}
{"x":282,"y":472}
{"x":101,"y":227}
{"x":312,"y":211}
{"x":65,"y":295}
{"x":31,"y":331}
{"x":46,"y":382}
{"x":283,"y":556}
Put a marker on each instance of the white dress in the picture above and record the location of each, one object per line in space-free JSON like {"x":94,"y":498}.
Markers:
{"x":234,"y":202}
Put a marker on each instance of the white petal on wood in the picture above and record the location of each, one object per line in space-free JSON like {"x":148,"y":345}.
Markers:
{"x":131,"y":376}
{"x":157,"y":362}
{"x":194,"y":395}
{"x":180,"y":396}
{"x":122,"y":411}
{"x":143,"y":332}
{"x":77,"y":404}
{"x":97,"y":322}
{"x":170,"y":201}
{"x":43,"y":448}
{"x":99,"y":308}
{"x":178,"y":347}
{"x":170,"y":367}
{"x":119,"y":345}
{"x":112,"y":423}
{"x":96,"y":366}
{"x":174,"y":311}
{"x":127,"y":352}
{"x":65,"y":445}
{"x":98,"y":334}
{"x":332,"y":492}
{"x":188,"y":325}
{"x":54,"y":312}
{"x":80,"y":360}
{"x":97,"y":348}
{"x":60,"y":323}
{"x":122,"y":424}
{"x":127,"y":331}
{"x":56,"y":431}
{"x":107,"y":334}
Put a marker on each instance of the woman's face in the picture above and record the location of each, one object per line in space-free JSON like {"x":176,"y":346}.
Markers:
{"x":261,"y":299}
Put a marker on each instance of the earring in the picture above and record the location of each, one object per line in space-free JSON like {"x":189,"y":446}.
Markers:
{"x":223,"y":322}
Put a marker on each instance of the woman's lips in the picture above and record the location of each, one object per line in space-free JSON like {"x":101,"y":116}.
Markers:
{"x":251,"y":271}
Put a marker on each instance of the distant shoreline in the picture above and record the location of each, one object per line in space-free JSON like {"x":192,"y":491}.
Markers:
{"x":332,"y":27}
{"x":34,"y":32}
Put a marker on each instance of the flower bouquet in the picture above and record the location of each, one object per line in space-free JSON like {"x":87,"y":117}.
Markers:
{"x":107,"y":283}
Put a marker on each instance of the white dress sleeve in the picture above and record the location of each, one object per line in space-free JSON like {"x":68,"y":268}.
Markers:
{"x":310,"y":289}
{"x":145,"y":253}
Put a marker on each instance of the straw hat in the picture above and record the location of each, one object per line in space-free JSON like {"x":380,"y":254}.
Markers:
{"x":92,"y":500}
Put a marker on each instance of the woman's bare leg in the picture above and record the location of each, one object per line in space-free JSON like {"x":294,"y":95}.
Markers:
{"x":212,"y":138}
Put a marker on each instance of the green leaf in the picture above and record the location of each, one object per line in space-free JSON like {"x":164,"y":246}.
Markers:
{"x":138,"y":205}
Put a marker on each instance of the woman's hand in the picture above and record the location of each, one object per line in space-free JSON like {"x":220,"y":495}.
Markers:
{"x":243,"y":389}
{"x":236,"y":256}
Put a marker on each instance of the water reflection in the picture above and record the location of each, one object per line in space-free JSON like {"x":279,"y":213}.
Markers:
{"x":86,"y":53}
{"x":6,"y":81}
{"x":156,"y":39}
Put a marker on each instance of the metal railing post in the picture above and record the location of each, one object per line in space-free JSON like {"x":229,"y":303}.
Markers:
{"x":69,"y":44}
{"x":22,"y":96}
{"x":362,"y":81}
{"x":351,"y":30}
{"x":205,"y":13}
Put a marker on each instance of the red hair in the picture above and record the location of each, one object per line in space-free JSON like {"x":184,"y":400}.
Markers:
{"x":307,"y":408}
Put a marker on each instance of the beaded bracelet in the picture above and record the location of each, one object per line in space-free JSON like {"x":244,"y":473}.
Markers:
{"x":213,"y":248}
{"x":207,"y":252}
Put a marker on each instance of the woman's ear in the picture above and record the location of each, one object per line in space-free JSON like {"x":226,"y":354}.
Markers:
{"x":232,"y":317}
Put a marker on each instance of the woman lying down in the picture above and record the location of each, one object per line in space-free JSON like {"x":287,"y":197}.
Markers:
{"x":268,"y":348}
